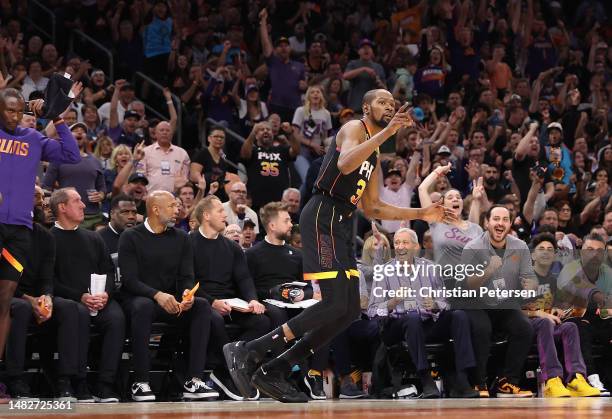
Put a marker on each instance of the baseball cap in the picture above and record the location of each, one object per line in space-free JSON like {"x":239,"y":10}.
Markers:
{"x":138,"y":177}
{"x":248,"y":222}
{"x":131,"y":114}
{"x":320,"y":37}
{"x":364,"y":42}
{"x":444,"y":150}
{"x":393,"y":172}
{"x":282,"y":39}
{"x":251,"y":87}
{"x":346,"y":112}
{"x":554,"y":125}
{"x":78,"y":125}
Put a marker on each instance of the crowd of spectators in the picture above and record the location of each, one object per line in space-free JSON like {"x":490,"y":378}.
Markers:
{"x":515,"y":94}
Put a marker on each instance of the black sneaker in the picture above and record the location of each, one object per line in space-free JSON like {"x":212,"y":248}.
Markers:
{"x":104,"y":394}
{"x":20,"y":390}
{"x":141,"y":392}
{"x":314,"y":384}
{"x":82,"y":392}
{"x":462,"y":390}
{"x":241,"y":364}
{"x":349,"y":390}
{"x":196,"y":389}
{"x":222,"y":379}
{"x":430,"y":389}
{"x":65,"y":393}
{"x":275,"y":384}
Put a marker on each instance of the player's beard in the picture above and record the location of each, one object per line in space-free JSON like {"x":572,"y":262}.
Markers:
{"x":380,"y":122}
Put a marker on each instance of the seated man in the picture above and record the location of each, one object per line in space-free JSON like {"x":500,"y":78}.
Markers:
{"x":35,"y":290}
{"x":418,"y":320}
{"x":549,"y":329}
{"x":508,"y":266}
{"x":221,"y":268}
{"x":156,"y":262}
{"x":585,"y":286}
{"x":123,"y":215}
{"x":79,"y":254}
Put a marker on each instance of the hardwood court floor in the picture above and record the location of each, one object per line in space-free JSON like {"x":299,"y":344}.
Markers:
{"x":577,"y":408}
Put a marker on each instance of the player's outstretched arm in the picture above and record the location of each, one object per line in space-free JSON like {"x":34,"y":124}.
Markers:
{"x":374,"y":207}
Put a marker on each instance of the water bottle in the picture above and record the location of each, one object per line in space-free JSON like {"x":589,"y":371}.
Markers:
{"x":541,"y":383}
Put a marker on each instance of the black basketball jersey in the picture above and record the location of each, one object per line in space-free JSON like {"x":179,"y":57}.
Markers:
{"x":347,"y":188}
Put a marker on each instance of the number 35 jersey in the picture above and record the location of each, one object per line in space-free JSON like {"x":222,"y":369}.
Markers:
{"x":268,"y":172}
{"x":346,"y":188}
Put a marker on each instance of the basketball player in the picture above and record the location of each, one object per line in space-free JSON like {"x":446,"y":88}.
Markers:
{"x":21,"y":150}
{"x":350,"y":166}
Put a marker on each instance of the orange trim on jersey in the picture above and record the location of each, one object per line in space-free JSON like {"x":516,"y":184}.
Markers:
{"x":320,"y":275}
{"x":12,"y":261}
{"x":317,"y":231}
{"x":334,"y":184}
{"x":352,"y":273}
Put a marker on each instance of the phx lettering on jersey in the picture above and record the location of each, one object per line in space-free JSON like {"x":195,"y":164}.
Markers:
{"x":365,"y":170}
{"x":15,"y":147}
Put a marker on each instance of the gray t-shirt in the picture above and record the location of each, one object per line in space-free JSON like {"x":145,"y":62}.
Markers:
{"x":363,"y":82}
{"x":449,"y":241}
{"x":516,"y":265}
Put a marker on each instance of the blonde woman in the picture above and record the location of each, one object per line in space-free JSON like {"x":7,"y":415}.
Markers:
{"x":120,"y":157}
{"x":104,"y":151}
{"x":311,"y":124}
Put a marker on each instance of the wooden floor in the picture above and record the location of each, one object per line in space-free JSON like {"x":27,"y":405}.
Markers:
{"x":576,"y":408}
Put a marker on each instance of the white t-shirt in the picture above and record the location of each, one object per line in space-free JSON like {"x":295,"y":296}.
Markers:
{"x":315,"y":126}
{"x":401,"y":198}
{"x":104,"y":113}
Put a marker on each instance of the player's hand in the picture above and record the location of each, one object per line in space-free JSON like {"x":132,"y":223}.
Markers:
{"x":401,"y":119}
{"x":76,"y":89}
{"x":438,"y":213}
{"x":36,"y":106}
{"x":256,"y":307}
{"x":167,"y":302}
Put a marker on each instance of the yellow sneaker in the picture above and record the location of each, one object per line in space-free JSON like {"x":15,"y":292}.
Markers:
{"x":555,"y":388}
{"x":505,"y":389}
{"x":483,"y":392}
{"x":578,"y":387}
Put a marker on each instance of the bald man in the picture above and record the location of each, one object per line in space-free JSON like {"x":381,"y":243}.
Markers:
{"x":236,"y":209}
{"x":156,"y":263}
{"x":165,"y":165}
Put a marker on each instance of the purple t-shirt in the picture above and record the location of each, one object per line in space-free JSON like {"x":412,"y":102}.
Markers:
{"x":285,"y":79}
{"x":20,"y":155}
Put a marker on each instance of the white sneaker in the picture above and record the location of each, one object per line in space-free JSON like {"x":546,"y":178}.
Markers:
{"x":594,"y":381}
{"x":407,"y":392}
{"x":141,"y":392}
{"x":196,"y":389}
